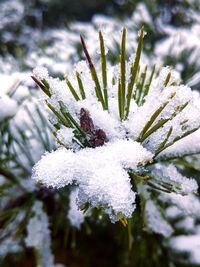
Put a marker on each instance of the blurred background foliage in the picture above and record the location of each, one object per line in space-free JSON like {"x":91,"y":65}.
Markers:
{"x":21,"y":20}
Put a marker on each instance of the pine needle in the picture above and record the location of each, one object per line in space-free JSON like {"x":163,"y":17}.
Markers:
{"x":123,"y":72}
{"x":80,"y":85}
{"x":134,"y":69}
{"x":103,"y":68}
{"x":44,"y":88}
{"x":147,"y":86}
{"x":93,"y":74}
{"x":71,"y":88}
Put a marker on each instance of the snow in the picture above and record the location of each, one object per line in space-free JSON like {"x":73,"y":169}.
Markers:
{"x":183,"y":147}
{"x":101,"y":173}
{"x":38,"y":235}
{"x":155,"y":221}
{"x":65,"y":136}
{"x":75,"y":215}
{"x":170,"y":174}
{"x":189,"y":244}
{"x":141,"y":15}
{"x":8,"y":107}
{"x":11,"y":14}
{"x":188,"y":204}
{"x":171,"y":98}
{"x":187,"y":224}
{"x":41,"y":73}
{"x":10,"y":245}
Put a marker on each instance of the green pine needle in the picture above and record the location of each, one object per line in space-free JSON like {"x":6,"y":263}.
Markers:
{"x":162,"y":122}
{"x":103,"y":67}
{"x":45,"y":88}
{"x":177,"y":138}
{"x":62,"y":119}
{"x":158,"y":125}
{"x":167,"y":79}
{"x":80,"y":85}
{"x":134,"y":70}
{"x":93,"y":74}
{"x":148,"y":84}
{"x":120,"y":101}
{"x":71,"y":88}
{"x":153,"y":118}
{"x":162,"y":145}
{"x":123,"y":73}
{"x":140,"y":85}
